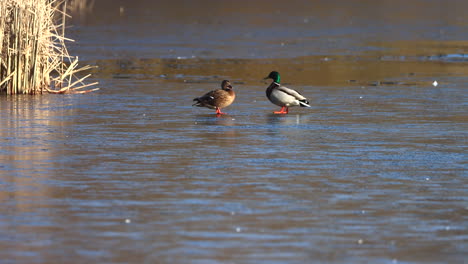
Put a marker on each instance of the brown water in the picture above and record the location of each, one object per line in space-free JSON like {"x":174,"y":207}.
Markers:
{"x":374,"y":172}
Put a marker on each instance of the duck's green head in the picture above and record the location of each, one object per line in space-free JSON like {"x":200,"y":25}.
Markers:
{"x":275,"y":76}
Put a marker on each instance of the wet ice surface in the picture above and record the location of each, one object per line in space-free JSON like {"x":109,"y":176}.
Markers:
{"x":375,"y":171}
{"x":378,"y":178}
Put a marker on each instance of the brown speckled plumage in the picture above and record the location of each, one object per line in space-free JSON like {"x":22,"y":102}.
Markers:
{"x":217,"y":99}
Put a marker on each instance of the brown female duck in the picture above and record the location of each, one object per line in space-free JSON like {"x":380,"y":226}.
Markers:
{"x":217,"y":99}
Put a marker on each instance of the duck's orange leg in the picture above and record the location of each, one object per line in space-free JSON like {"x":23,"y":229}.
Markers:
{"x":218,"y":111}
{"x":284,"y":110}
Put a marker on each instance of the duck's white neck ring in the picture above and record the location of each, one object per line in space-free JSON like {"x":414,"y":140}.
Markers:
{"x":276,"y":83}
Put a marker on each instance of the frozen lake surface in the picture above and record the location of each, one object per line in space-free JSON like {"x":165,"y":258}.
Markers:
{"x":374,"y":172}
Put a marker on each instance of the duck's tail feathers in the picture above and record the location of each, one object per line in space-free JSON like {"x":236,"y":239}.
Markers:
{"x":197,"y":102}
{"x":304,"y":103}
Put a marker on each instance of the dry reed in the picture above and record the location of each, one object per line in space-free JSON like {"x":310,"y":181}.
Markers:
{"x":33,"y":55}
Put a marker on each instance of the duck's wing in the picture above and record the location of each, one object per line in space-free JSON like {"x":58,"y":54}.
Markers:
{"x":208,"y":100}
{"x":292,"y":93}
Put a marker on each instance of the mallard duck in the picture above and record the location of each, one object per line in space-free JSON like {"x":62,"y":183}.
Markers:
{"x":283,"y":96}
{"x":217,"y":99}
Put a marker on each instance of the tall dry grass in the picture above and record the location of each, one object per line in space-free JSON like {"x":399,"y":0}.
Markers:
{"x":33,"y":55}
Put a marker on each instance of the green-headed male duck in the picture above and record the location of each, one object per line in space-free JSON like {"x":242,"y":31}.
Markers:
{"x":283,"y":96}
{"x":217,"y":99}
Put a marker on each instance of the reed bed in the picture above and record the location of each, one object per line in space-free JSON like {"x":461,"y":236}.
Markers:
{"x":33,"y":55}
